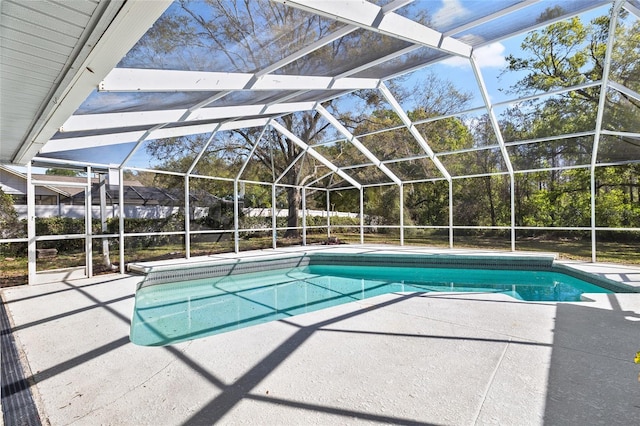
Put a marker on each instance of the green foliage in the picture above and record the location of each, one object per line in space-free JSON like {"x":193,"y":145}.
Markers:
{"x":617,"y":197}
{"x":61,"y":172}
{"x":256,"y":222}
{"x":61,"y":226}
{"x":427,"y":203}
{"x":70,"y":226}
{"x":382,"y":206}
{"x":220,"y":216}
{"x":10,"y":226}
{"x":343,"y":201}
{"x":172,"y":223}
{"x":134,"y":225}
{"x":563,"y":54}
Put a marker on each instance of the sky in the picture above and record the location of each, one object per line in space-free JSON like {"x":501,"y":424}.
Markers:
{"x":492,"y":62}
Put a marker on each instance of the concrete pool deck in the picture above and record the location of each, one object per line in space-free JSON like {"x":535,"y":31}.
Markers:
{"x":431,"y":358}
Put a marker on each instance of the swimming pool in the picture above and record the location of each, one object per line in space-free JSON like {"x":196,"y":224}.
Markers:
{"x":167,"y":313}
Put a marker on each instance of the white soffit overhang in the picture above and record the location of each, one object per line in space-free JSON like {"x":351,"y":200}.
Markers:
{"x":54,"y":54}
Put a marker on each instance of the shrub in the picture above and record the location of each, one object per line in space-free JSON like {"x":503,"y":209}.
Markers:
{"x":10,"y":226}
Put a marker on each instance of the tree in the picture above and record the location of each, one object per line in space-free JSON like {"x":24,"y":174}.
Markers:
{"x":244,"y":37}
{"x":247,"y":37}
{"x":569,"y":53}
{"x":561,"y":55}
{"x":279,"y":154}
{"x":495,"y":189}
{"x":367,"y":115}
{"x":274,"y":156}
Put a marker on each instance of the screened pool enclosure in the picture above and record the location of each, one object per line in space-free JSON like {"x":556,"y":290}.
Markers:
{"x":272,"y":123}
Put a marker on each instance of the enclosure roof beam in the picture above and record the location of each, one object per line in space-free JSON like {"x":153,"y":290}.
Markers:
{"x":47,"y":163}
{"x":488,"y":18}
{"x":550,"y":138}
{"x":203,"y":150}
{"x":253,"y":150}
{"x":589,"y":6}
{"x":341,"y":32}
{"x":309,"y":184}
{"x":462,"y":28}
{"x":356,"y":70}
{"x":66,"y":144}
{"x":388,"y":8}
{"x":413,"y":130}
{"x":315,"y":154}
{"x":289,"y":167}
{"x":549,"y":93}
{"x":139,"y":143}
{"x":615,"y":10}
{"x":154,"y":80}
{"x":492,"y":115}
{"x":255,"y":80}
{"x":631,"y":8}
{"x":355,"y":142}
{"x":634,"y":135}
{"x":116,"y":120}
{"x":372,"y":17}
{"x":624,"y":90}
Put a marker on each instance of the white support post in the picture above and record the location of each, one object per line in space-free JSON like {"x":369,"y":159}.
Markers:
{"x":512,"y":186}
{"x":592,"y":183}
{"x":401,"y":187}
{"x":187,"y":219}
{"x":236,"y":220}
{"x":88,"y":231}
{"x":236,"y":208}
{"x":31,"y":227}
{"x":615,"y":10}
{"x":328,"y":213}
{"x":450,"y":214}
{"x":274,"y":222}
{"x":361,"y":216}
{"x":103,"y":220}
{"x":304,"y":216}
{"x":121,"y":217}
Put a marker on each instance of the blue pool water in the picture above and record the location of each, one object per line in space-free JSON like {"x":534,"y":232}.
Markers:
{"x":175,"y":312}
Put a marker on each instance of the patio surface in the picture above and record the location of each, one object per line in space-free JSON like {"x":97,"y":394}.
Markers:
{"x":431,"y":358}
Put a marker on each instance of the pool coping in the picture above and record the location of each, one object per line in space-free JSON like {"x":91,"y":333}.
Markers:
{"x":166,"y":273}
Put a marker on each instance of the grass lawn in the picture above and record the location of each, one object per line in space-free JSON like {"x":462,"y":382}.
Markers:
{"x":13,"y":269}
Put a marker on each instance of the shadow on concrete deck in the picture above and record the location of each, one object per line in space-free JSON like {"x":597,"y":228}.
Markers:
{"x":592,"y":377}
